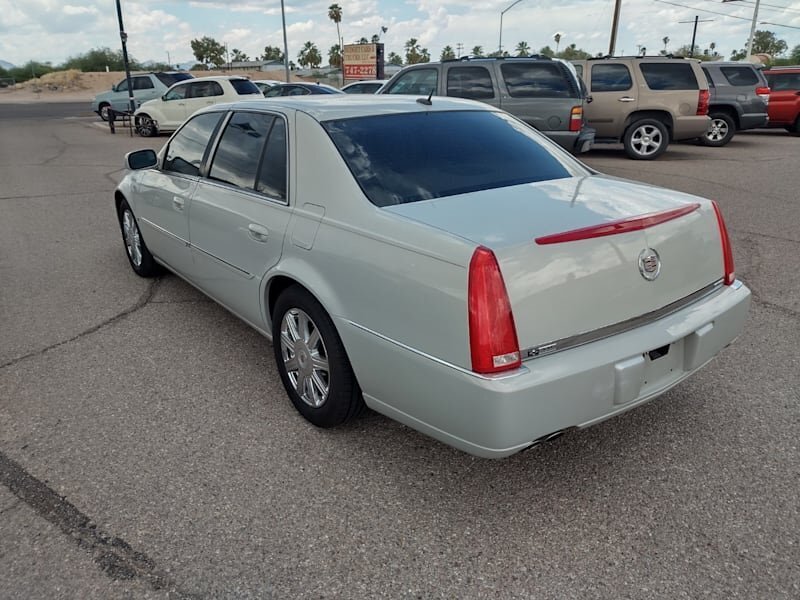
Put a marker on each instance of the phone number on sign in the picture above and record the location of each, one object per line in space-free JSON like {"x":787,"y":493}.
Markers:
{"x":353,"y":71}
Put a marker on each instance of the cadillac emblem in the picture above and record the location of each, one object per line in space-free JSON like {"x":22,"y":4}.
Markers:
{"x":649,"y":264}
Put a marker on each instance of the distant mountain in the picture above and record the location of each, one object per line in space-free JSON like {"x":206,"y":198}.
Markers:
{"x":6,"y":65}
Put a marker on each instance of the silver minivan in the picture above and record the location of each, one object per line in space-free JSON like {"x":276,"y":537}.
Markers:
{"x":543,"y":92}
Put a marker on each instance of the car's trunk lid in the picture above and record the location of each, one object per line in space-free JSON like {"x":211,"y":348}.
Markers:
{"x":559,"y":290}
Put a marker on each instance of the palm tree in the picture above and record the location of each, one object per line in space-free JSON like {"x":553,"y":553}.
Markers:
{"x":477,"y":51}
{"x":447,"y":53}
{"x":335,"y":15}
{"x":665,"y":39}
{"x":523,"y":49}
{"x":557,"y":39}
{"x":309,"y":55}
{"x":335,"y":56}
{"x":712,"y":46}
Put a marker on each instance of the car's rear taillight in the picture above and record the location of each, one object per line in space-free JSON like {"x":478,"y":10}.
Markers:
{"x":763,"y":93}
{"x":727,"y":249}
{"x":492,"y":333}
{"x":702,"y":103}
{"x":576,"y":118}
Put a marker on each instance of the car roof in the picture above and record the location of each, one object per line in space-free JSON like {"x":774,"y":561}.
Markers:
{"x":348,"y":106}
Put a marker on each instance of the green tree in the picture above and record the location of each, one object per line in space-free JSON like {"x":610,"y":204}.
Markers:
{"x":447,"y":53}
{"x":376,"y":38}
{"x":98,"y":59}
{"x":416,"y":54}
{"x":395,"y":59}
{"x":794,"y":57}
{"x":239,"y":56}
{"x":764,"y":42}
{"x":363,"y":40}
{"x":572,"y":52}
{"x":335,"y":15}
{"x":272,"y":53}
{"x":309,"y":56}
{"x":557,"y":40}
{"x":207,"y":50}
{"x":523,"y":49}
{"x":477,"y":51}
{"x":547,"y":51}
{"x":335,"y":56}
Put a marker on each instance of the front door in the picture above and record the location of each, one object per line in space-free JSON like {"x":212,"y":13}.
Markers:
{"x":173,"y":106}
{"x":784,"y":97}
{"x":613,"y":98}
{"x":239,"y":214}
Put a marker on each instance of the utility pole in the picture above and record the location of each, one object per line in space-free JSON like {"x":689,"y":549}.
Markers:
{"x":694,"y":31}
{"x":752,"y":28}
{"x":285,"y":44}
{"x":459,"y":48}
{"x":124,"y":39}
{"x":502,"y":12}
{"x":614,"y":26}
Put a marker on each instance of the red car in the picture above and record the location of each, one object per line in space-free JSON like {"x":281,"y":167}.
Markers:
{"x":784,"y":98}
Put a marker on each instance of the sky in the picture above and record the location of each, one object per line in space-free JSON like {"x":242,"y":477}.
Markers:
{"x":158,"y":30}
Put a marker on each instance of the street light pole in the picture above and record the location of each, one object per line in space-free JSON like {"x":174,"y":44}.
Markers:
{"x":502,"y":12}
{"x":285,"y":44}
{"x":124,"y":39}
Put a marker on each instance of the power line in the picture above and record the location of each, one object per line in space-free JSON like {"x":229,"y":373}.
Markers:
{"x":713,"y":12}
{"x":783,"y":8}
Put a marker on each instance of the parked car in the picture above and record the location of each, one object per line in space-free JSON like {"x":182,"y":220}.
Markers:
{"x":453,"y":269}
{"x":645,"y":102}
{"x":370,"y":86}
{"x":301,"y":89}
{"x":184,"y":98}
{"x":146,"y":86}
{"x":738,"y":101}
{"x":784,"y":97}
{"x":266,"y":84}
{"x":543,"y":92}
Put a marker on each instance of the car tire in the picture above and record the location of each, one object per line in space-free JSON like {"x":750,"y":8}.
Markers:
{"x":795,"y":129}
{"x":139,"y":257}
{"x":312,"y":361}
{"x":720,"y":131}
{"x":645,"y":139}
{"x":145,"y":126}
{"x":102,"y":110}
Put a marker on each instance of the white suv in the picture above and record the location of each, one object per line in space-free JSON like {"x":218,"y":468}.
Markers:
{"x":184,"y":98}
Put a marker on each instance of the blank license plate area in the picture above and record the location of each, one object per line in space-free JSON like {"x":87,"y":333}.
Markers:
{"x":662,"y":366}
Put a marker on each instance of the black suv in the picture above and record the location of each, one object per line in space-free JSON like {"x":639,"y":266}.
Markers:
{"x":544,"y":92}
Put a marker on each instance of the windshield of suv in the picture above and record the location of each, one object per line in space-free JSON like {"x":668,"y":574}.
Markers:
{"x":420,"y":156}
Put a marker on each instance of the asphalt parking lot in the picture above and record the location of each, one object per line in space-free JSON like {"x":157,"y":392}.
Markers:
{"x":148,"y":450}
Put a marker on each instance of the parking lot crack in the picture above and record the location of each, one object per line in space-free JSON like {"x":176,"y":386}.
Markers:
{"x":113,"y":555}
{"x":143,"y":301}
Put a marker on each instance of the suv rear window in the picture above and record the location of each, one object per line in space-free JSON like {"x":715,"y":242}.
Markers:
{"x":537,"y":80}
{"x":410,"y":157}
{"x":169,"y":78}
{"x":245,"y":87}
{"x":740,"y":75}
{"x":669,"y":76}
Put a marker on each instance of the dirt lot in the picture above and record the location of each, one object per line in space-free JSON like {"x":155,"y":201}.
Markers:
{"x":74,"y":86}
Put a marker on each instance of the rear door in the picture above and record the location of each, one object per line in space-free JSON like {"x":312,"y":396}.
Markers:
{"x":240,"y":211}
{"x":784,"y":97}
{"x":144,"y":89}
{"x":613,"y":97}
{"x":538,"y":92}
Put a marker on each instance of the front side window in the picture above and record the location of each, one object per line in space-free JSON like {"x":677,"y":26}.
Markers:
{"x":611,"y":78}
{"x":122,"y":86}
{"x":419,"y":82}
{"x":296,"y":90}
{"x":669,"y":76}
{"x":186,"y":149}
{"x":469,"y":82}
{"x":142,"y":83}
{"x":781,"y":82}
{"x":237,"y":157}
{"x":744,"y":76}
{"x":176,"y":93}
{"x":411,"y":157}
{"x":537,"y":80}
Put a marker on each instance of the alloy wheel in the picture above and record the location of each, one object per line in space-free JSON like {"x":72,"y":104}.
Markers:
{"x":133,"y":241}
{"x":717,"y":130}
{"x":305,"y":357}
{"x":646,"y":140}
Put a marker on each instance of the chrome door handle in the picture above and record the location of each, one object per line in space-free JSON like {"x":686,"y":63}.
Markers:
{"x":258,"y":232}
{"x":178,"y":202}
{"x":626,"y":99}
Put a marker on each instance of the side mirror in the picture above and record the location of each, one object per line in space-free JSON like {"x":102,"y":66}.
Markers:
{"x":141,"y":159}
{"x":114,"y":88}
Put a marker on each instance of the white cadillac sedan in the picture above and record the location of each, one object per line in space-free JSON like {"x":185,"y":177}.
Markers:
{"x":436,"y":260}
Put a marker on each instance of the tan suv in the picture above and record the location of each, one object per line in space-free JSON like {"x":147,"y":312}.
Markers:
{"x":645,"y":102}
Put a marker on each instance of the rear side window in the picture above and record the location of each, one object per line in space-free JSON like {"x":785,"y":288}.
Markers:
{"x":239,"y":150}
{"x":410,"y":157}
{"x":744,"y":76}
{"x":537,"y":80}
{"x":469,"y":82}
{"x":272,"y":173}
{"x":780,"y":82}
{"x":245,"y":87}
{"x":142,"y":83}
{"x":169,"y":78}
{"x":204,"y":89}
{"x":296,"y":90}
{"x":669,"y":76}
{"x":611,"y":78}
{"x":707,"y":73}
{"x":418,"y":82}
{"x":186,"y":150}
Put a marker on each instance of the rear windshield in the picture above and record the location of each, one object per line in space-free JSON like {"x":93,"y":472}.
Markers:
{"x":169,"y":78}
{"x":669,"y":76}
{"x":404,"y":158}
{"x":744,"y":76}
{"x":245,"y":87}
